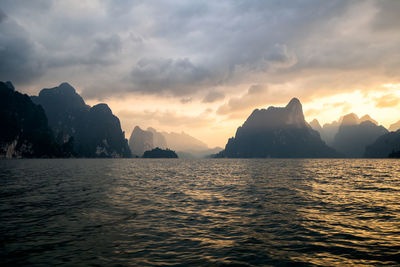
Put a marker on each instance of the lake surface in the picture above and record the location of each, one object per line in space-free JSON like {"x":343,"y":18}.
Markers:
{"x":199,"y":212}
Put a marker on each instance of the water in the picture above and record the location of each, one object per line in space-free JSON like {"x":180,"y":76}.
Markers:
{"x":199,"y":212}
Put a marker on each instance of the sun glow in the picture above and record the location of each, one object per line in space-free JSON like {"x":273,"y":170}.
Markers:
{"x":381,"y":104}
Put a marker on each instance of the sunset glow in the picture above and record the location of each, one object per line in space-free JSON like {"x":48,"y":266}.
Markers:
{"x":202,"y":67}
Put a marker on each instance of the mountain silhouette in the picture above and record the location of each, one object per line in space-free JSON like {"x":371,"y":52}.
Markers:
{"x":24,"y":127}
{"x":315,"y":125}
{"x":355,"y":134}
{"x":95,"y":131}
{"x":384,"y":145}
{"x":277,"y":132}
{"x":140,"y":141}
{"x":183,"y":142}
{"x":329,"y":130}
{"x":186,"y":146}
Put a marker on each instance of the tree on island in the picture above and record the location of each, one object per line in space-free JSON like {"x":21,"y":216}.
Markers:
{"x":160,"y":153}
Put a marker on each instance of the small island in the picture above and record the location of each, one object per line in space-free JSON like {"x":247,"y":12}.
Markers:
{"x":160,"y":153}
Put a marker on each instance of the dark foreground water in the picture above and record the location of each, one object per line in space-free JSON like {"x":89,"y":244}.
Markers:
{"x":199,"y":212}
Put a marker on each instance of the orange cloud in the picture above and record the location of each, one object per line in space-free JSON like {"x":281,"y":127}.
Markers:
{"x":387,"y":101}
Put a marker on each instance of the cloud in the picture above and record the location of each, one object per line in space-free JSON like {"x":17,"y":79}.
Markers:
{"x":185,"y":48}
{"x":254,"y":97}
{"x":186,"y":100}
{"x":20,"y":60}
{"x":167,"y":118}
{"x":311,"y":112}
{"x":213,"y":96}
{"x":387,"y":101}
{"x":175,"y":76}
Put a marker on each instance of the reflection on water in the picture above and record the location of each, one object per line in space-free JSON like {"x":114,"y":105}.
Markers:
{"x":200,"y":212}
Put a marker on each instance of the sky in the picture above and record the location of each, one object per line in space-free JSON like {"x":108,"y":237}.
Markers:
{"x":203,"y":66}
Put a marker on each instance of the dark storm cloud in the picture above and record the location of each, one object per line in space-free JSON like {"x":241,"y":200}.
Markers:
{"x":101,"y":51}
{"x":185,"y":48}
{"x":19,"y":57}
{"x":177,"y":76}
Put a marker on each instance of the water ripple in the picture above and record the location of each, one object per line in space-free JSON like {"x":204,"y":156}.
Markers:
{"x":200,"y":212}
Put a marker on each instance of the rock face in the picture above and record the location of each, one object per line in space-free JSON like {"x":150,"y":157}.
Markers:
{"x":94,"y":131}
{"x":24,"y":127}
{"x":160,"y":153}
{"x":277,"y":132}
{"x":355,"y":134}
{"x":384,"y":145}
{"x":102,"y":135}
{"x":140,"y":141}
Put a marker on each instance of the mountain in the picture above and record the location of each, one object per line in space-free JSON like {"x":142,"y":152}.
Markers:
{"x":64,"y":108}
{"x":94,"y":131}
{"x":384,"y":145}
{"x":355,"y":134}
{"x":349,"y":119}
{"x":102,"y":135}
{"x":315,"y":125}
{"x":368,"y":118}
{"x":160,"y":153}
{"x":158,"y":138}
{"x":277,"y":132}
{"x":329,"y":130}
{"x":183,"y":142}
{"x":140,"y":141}
{"x":24,"y":127}
{"x":394,"y":127}
{"x":186,"y":145}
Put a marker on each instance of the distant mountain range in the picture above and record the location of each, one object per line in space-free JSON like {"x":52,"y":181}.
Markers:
{"x":350,"y":135}
{"x":58,"y":123}
{"x":186,"y":146}
{"x":355,"y":134}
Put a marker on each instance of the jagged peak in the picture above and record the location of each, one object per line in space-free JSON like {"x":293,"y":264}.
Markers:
{"x":9,"y":85}
{"x":315,"y":121}
{"x":63,"y":89}
{"x":151,"y":129}
{"x":293,"y":102}
{"x":137,"y":128}
{"x":350,"y":119}
{"x":66,"y":87}
{"x":295,"y":108}
{"x":102,"y":107}
{"x":367,"y":117}
{"x":315,"y":124}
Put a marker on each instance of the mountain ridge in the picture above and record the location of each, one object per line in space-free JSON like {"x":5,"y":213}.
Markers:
{"x":277,"y":132}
